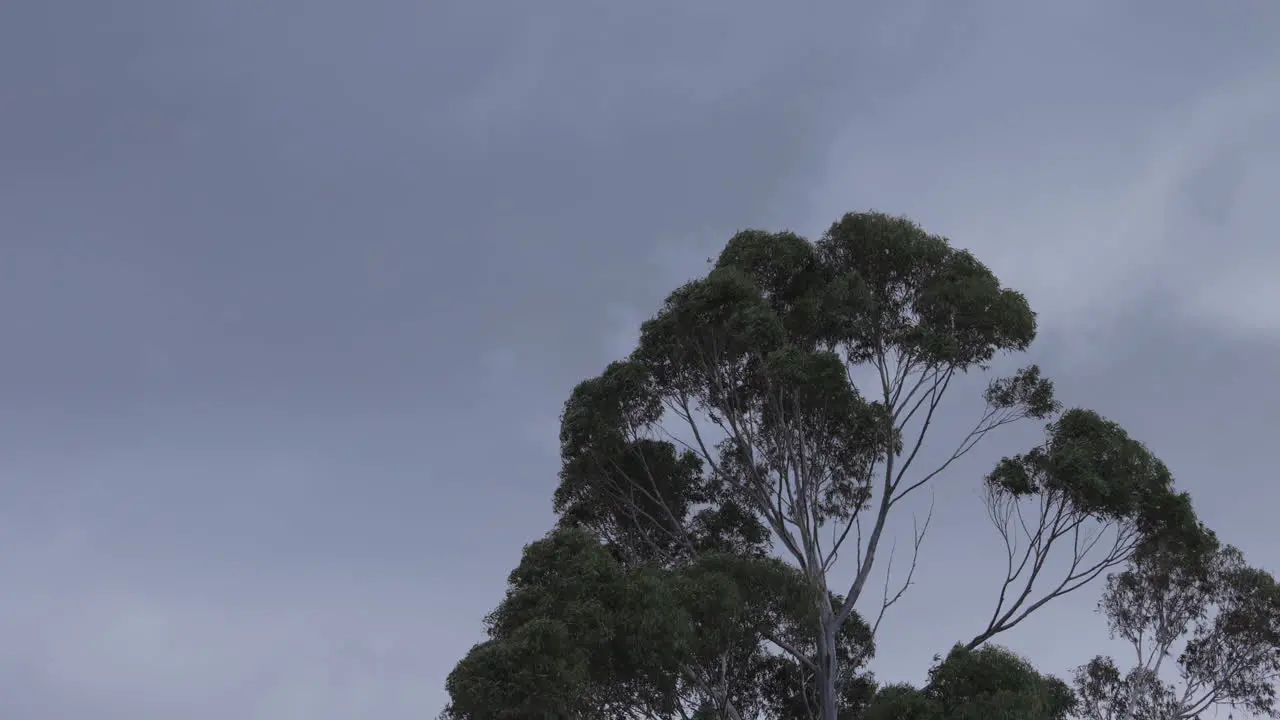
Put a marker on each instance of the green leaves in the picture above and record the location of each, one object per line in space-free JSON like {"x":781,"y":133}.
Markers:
{"x":605,"y":412}
{"x":902,"y":702}
{"x":1093,"y":492}
{"x":872,"y":283}
{"x":535,"y":672}
{"x":634,"y":490}
{"x":786,"y":270}
{"x":1089,"y":467}
{"x":990,"y":683}
{"x":1094,"y":464}
{"x":573,"y":631}
{"x":708,"y":335}
{"x":577,"y":634}
{"x":807,"y":407}
{"x":894,"y":285}
{"x":1026,"y":391}
{"x":1225,"y":614}
{"x":1102,"y":690}
{"x":580,"y":635}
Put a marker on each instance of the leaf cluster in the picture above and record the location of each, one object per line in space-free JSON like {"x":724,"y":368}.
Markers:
{"x":581,"y":635}
{"x":1212,"y":616}
{"x":990,"y":683}
{"x":1096,"y":469}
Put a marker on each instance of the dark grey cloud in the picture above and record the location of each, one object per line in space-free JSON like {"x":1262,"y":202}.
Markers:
{"x":292,"y":292}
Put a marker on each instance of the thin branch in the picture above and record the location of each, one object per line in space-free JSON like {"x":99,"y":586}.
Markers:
{"x":1056,"y":521}
{"x":887,"y":601}
{"x":791,"y":650}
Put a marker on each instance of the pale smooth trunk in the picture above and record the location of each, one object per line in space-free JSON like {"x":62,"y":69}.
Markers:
{"x":827,"y":666}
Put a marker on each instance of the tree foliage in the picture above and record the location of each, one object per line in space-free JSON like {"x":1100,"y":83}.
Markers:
{"x":735,"y":430}
{"x":575,"y":637}
{"x":1209,"y":615}
{"x":581,"y":635}
{"x":1091,"y":491}
{"x":990,"y":683}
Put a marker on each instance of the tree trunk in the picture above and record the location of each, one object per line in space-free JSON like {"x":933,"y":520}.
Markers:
{"x":827,"y":666}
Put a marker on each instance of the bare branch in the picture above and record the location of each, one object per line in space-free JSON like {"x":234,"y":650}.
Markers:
{"x":992,"y":418}
{"x":1055,"y":520}
{"x":918,"y":534}
{"x":791,"y":650}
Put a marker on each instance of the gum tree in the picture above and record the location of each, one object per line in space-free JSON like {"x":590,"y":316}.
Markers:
{"x":737,"y":426}
{"x":582,"y":634}
{"x":753,"y":363}
{"x":1204,"y":629}
{"x":990,"y":683}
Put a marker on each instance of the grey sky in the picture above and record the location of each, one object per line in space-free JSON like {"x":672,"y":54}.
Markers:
{"x":292,"y":293}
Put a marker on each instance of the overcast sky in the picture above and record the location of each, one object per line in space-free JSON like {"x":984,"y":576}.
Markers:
{"x":292,"y":292}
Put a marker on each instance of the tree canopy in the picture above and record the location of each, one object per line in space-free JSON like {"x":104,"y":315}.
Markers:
{"x":990,"y":683}
{"x":1210,"y":616}
{"x":712,"y":480}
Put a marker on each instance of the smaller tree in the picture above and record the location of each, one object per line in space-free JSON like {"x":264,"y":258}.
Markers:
{"x":990,"y":683}
{"x":577,"y":636}
{"x":583,"y":635}
{"x":1224,"y":615}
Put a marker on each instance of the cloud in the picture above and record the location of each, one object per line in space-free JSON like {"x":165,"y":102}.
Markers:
{"x":130,"y":642}
{"x":1094,"y":191}
{"x":293,"y":295}
{"x":1218,"y":178}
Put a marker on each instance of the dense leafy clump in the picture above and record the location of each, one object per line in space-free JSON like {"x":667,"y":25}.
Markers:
{"x":991,"y":683}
